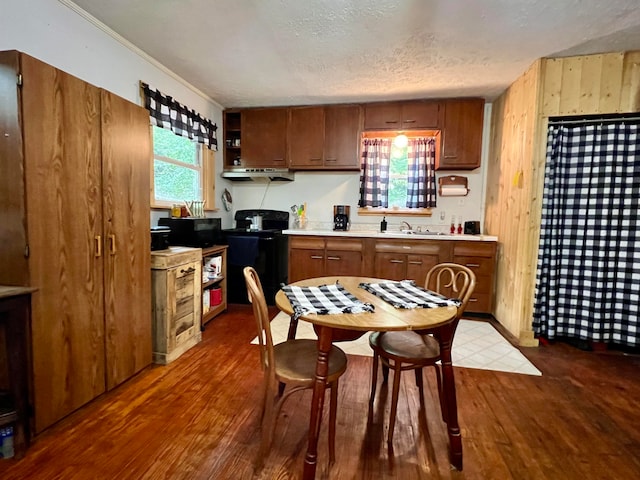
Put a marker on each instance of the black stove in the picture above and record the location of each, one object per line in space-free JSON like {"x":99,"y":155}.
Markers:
{"x":266,"y":250}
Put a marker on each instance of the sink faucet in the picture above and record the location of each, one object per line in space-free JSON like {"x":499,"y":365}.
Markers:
{"x":407,"y":224}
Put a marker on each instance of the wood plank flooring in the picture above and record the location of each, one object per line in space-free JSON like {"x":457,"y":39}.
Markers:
{"x":198,"y":418}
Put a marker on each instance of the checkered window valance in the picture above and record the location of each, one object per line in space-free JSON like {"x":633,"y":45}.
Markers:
{"x":167,"y":113}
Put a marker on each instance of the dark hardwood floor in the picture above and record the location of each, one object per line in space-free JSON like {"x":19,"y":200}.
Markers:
{"x":198,"y":419}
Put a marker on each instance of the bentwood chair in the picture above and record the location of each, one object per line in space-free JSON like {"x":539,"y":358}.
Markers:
{"x":292,"y":363}
{"x":410,"y":350}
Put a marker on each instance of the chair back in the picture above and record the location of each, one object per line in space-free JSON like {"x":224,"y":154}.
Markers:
{"x":452,"y":280}
{"x":261,"y":314}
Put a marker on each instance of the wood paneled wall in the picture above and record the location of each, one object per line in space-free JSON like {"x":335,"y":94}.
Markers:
{"x":582,"y":85}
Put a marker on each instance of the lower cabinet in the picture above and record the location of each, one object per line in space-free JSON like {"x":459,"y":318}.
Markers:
{"x":411,"y":260}
{"x":324,"y":256}
{"x":176,"y":279}
{"x":393,"y":259}
{"x":480,"y":257}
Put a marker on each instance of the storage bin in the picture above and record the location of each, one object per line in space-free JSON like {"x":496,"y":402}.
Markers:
{"x":216,"y":296}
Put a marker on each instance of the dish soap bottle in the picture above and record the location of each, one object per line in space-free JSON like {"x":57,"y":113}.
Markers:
{"x":383,"y":224}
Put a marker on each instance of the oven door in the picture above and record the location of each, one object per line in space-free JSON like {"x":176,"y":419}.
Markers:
{"x":266,"y":254}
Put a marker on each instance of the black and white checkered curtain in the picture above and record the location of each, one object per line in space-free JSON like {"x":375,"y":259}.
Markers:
{"x":165,"y":112}
{"x":421,"y":177}
{"x":588,"y":277}
{"x":374,"y":172}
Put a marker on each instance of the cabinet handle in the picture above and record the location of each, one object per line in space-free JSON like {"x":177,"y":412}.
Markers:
{"x":472,"y":265}
{"x":112,"y":244}
{"x":396,"y":261}
{"x":315,"y":159}
{"x":98,"y":246}
{"x":333,"y":258}
{"x":473,"y":299}
{"x":415,"y":262}
{"x":330,"y":159}
{"x":317,"y":257}
{"x":409,"y":121}
{"x":188,"y":270}
{"x":391,"y":122}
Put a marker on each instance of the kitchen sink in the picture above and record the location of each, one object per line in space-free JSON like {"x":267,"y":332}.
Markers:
{"x":416,"y":232}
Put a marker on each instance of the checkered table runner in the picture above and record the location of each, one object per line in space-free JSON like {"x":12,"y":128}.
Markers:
{"x":323,"y":300}
{"x":406,"y":294}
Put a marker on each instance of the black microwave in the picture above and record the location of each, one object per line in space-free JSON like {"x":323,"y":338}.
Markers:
{"x":193,"y":232}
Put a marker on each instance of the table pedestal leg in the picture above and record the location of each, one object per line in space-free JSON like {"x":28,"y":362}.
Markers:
{"x":317,"y":402}
{"x":449,"y":392}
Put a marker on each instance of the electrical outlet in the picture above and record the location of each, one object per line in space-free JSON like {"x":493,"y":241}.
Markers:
{"x":442,"y":216}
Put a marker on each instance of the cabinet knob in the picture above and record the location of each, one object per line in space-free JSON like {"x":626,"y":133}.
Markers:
{"x":188,"y":270}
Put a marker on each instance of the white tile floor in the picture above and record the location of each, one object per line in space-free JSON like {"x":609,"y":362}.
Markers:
{"x":477,"y":344}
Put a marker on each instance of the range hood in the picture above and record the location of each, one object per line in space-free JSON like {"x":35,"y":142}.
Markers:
{"x":258,"y":174}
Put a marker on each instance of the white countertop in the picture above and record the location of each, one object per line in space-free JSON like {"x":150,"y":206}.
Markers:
{"x":390,"y":234}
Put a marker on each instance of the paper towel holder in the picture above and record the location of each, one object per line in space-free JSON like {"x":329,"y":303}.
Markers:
{"x":453,"y":186}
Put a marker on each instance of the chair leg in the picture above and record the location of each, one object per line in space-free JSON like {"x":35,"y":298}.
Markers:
{"x":420,"y":385}
{"x":333,"y":407}
{"x":394,"y":399}
{"x":443,"y":404}
{"x":374,"y":380}
{"x":268,"y":425}
{"x":385,"y":372}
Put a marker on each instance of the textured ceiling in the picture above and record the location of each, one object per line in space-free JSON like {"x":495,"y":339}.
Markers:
{"x":296,"y":52}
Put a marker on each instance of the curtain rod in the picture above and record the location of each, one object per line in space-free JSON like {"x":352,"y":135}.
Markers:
{"x":600,"y":120}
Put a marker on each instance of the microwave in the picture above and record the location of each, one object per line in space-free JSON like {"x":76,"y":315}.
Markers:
{"x":193,"y":232}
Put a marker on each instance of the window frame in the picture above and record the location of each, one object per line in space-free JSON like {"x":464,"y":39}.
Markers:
{"x":391,"y":211}
{"x":207,"y":176}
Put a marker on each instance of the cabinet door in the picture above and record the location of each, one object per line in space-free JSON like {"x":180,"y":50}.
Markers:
{"x":126,"y":157}
{"x":340,"y":262}
{"x":306,"y":137}
{"x":383,"y":116}
{"x":264,"y":132}
{"x":342,"y":137}
{"x":461,"y":135}
{"x":306,"y":263}
{"x":420,"y":115}
{"x":391,"y":266}
{"x":61,"y":130}
{"x":419,"y":265}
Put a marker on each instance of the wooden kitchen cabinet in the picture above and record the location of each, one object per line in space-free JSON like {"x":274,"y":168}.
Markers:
{"x":417,"y":114}
{"x":311,"y":256}
{"x":75,"y":190}
{"x":461,"y":147}
{"x":214,"y":282}
{"x":480,"y":257}
{"x":306,"y":137}
{"x":232,"y":138}
{"x":264,"y":134}
{"x":176,"y":298}
{"x":324,"y":138}
{"x":407,"y":259}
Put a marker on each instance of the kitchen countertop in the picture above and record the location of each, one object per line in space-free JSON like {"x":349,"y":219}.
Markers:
{"x":390,"y":234}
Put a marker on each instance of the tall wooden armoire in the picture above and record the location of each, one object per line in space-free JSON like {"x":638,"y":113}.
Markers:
{"x":74,"y":223}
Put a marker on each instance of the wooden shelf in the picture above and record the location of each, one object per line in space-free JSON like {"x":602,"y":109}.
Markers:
{"x":220,"y":281}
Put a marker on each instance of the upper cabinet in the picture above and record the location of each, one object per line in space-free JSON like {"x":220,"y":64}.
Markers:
{"x":416,"y":114}
{"x":327,"y":137}
{"x":324,"y":137}
{"x":461,"y":134}
{"x":264,"y":138}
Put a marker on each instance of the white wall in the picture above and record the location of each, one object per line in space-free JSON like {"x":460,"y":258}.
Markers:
{"x":56,"y":34}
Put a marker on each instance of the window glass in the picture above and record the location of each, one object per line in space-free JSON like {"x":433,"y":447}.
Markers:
{"x":398,"y":167}
{"x":177,"y":167}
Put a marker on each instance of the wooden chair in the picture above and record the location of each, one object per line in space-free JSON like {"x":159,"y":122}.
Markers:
{"x":292,"y":363}
{"x":410,"y":350}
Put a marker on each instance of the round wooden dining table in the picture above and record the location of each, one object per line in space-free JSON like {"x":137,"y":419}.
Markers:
{"x":385,"y":317}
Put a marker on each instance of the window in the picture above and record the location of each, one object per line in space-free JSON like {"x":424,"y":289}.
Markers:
{"x":179,"y":169}
{"x":397,"y":173}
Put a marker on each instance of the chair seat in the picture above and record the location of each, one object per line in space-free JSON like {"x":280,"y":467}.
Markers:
{"x":406,"y":346}
{"x":296,"y":361}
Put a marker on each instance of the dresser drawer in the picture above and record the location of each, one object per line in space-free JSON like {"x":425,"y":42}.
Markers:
{"x":479,"y":303}
{"x":474,"y":249}
{"x":479,"y":265}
